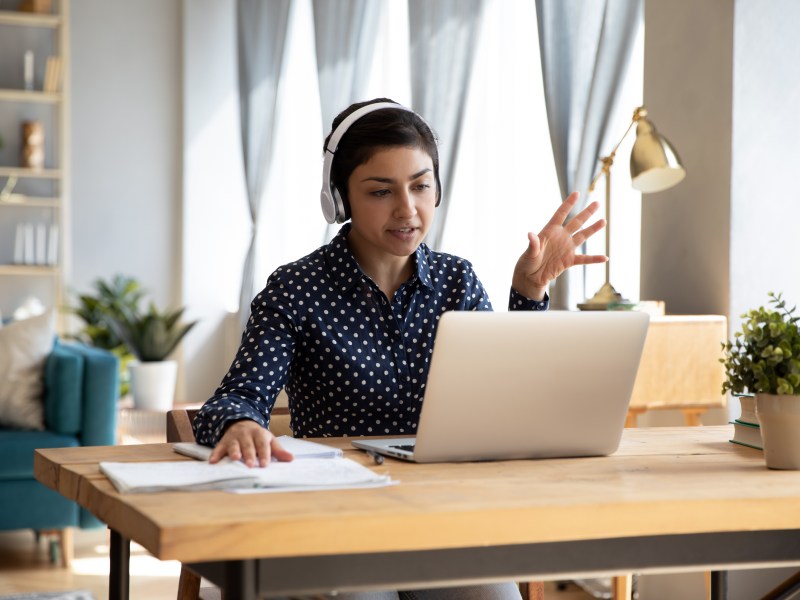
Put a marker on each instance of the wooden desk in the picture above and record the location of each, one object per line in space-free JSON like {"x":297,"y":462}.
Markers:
{"x":675,"y":499}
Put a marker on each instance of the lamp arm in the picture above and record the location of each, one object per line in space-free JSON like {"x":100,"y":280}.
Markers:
{"x":609,"y":160}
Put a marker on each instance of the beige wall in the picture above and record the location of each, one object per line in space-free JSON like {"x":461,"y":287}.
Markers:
{"x":687,"y":90}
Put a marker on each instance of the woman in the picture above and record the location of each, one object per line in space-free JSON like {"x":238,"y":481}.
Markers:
{"x":348,"y":330}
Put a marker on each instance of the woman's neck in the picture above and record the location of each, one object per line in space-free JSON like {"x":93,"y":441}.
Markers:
{"x":388,"y":272}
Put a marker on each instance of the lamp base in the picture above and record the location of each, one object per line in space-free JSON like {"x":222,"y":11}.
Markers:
{"x":605,"y":295}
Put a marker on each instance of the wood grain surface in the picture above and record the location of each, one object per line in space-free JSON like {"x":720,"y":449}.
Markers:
{"x":661,"y":481}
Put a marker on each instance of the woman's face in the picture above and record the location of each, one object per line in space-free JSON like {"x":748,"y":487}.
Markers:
{"x":392,"y":198}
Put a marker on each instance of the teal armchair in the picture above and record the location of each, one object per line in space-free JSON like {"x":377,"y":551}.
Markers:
{"x":81,"y":392}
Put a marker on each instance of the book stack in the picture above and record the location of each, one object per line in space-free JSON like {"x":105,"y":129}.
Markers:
{"x":52,"y":74}
{"x":746,"y":429}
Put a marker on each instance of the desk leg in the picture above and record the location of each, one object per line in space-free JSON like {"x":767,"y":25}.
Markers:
{"x":119,"y":563}
{"x":719,"y":585}
{"x":240,"y":580}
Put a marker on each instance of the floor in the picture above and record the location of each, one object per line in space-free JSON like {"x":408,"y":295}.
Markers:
{"x":25,"y":567}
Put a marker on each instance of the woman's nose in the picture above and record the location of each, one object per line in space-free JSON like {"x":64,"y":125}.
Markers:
{"x":405,"y":206}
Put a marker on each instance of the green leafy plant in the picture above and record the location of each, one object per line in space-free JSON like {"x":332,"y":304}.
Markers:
{"x":153,"y":335}
{"x":110,"y":298}
{"x":764,"y":356}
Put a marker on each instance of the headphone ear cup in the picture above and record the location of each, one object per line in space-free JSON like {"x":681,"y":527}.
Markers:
{"x":328,"y":205}
{"x":438,"y":190}
{"x":342,"y":212}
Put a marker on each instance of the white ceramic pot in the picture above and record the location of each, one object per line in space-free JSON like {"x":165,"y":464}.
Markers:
{"x":779,"y":417}
{"x":153,"y":384}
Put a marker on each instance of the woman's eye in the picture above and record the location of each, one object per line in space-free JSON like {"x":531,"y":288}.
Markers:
{"x":423,"y":186}
{"x":380,"y":193}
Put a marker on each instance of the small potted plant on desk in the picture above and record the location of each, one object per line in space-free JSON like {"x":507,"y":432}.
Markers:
{"x":764,"y":359}
{"x":151,"y":336}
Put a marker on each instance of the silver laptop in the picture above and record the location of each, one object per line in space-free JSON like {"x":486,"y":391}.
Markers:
{"x":508,"y":385}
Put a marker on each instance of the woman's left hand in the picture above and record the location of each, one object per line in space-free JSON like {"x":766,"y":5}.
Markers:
{"x":553,"y":251}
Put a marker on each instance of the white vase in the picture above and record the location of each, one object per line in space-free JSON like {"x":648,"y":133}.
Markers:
{"x":779,"y":417}
{"x":153,"y":384}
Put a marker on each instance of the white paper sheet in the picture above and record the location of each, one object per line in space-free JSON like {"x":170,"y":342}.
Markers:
{"x":298,"y":447}
{"x":316,"y":473}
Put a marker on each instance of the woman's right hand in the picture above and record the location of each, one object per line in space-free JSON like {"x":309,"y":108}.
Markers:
{"x":249,"y":442}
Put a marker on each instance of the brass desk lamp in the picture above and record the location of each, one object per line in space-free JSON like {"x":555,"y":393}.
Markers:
{"x":655,"y":166}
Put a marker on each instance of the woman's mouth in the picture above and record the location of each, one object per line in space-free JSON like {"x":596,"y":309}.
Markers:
{"x":404,"y":233}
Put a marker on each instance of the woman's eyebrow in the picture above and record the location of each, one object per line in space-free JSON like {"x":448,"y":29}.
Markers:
{"x":390,"y":180}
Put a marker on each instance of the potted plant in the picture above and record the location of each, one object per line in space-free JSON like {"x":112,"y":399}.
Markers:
{"x":764,"y":359}
{"x":111,"y":297}
{"x":151,"y":336}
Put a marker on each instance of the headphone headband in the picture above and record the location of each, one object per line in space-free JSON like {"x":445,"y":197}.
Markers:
{"x":354,"y":116}
{"x":330,"y":198}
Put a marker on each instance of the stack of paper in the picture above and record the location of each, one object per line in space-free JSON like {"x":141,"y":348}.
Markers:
{"x":316,"y":467}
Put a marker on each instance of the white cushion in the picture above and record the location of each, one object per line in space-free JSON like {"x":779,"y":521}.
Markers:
{"x":24,"y":348}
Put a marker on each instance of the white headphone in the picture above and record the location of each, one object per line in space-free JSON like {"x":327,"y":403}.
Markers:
{"x":331,"y":200}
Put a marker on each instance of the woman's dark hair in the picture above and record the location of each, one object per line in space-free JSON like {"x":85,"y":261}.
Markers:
{"x":383,"y":128}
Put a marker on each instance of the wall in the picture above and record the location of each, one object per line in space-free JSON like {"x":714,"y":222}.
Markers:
{"x":765,"y":199}
{"x":215,"y":218}
{"x":687,"y":90}
{"x":126,"y":143}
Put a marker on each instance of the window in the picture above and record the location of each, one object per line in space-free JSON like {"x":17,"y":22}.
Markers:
{"x":505,"y":183}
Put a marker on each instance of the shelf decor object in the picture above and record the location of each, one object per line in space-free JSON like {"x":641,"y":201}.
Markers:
{"x":28,"y":71}
{"x":32,"y":145}
{"x":655,"y":166}
{"x":36,"y":6}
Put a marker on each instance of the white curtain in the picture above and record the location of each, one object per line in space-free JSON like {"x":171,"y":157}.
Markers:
{"x":444,"y":36}
{"x":345,"y":32}
{"x":585,"y":48}
{"x":261,"y":41}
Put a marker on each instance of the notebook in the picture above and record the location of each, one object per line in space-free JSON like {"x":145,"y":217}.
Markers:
{"x":511,"y":385}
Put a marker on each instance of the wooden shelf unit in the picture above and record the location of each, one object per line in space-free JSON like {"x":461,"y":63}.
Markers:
{"x":36,"y":195}
{"x":23,"y":19}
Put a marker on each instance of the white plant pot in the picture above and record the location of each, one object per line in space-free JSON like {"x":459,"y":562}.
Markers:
{"x":153,"y":384}
{"x":779,"y":417}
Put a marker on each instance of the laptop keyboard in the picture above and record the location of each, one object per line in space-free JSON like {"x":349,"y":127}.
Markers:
{"x":406,"y":447}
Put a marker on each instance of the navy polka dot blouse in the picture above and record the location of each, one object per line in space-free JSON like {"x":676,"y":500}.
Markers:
{"x":353,"y":362}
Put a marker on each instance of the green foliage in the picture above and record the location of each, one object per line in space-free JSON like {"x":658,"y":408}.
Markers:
{"x":112,"y":297}
{"x":150,"y":336}
{"x":764,"y":357}
{"x":113,"y":321}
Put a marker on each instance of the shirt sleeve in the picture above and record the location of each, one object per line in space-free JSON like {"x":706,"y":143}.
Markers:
{"x":517,"y":301}
{"x":475,"y":296}
{"x":259,"y":371}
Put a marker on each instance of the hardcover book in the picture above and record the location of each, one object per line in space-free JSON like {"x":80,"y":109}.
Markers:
{"x":748,"y":404}
{"x":747,"y":434}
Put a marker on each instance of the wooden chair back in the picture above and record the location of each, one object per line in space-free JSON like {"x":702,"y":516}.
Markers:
{"x":179,"y":423}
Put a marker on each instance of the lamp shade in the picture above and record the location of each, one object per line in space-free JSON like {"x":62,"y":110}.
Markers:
{"x":655,"y":166}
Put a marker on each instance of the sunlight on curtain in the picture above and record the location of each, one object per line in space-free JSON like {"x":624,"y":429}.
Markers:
{"x":626,"y":202}
{"x":505,"y":181}
{"x":293,"y":225}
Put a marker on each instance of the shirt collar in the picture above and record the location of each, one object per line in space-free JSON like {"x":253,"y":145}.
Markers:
{"x":347,"y":272}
